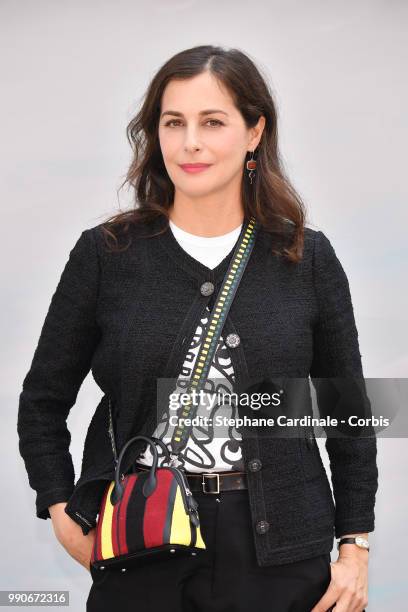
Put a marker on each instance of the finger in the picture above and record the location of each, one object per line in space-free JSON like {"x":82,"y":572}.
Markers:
{"x":329,"y":598}
{"x":358,"y":605}
{"x":354,"y":599}
{"x":344,"y":604}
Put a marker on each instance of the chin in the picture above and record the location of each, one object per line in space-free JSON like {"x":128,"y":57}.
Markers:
{"x":196,"y":191}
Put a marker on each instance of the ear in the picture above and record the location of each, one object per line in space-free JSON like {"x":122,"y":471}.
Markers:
{"x":256,"y":133}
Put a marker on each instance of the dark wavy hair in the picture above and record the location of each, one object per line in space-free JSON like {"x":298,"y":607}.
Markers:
{"x":271,"y":199}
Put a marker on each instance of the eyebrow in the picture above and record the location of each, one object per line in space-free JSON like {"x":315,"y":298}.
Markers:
{"x":209,"y":111}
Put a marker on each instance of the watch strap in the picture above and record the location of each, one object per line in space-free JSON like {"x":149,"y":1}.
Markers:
{"x":350,"y":540}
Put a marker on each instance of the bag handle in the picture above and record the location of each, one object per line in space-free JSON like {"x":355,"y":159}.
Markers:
{"x":151,"y":481}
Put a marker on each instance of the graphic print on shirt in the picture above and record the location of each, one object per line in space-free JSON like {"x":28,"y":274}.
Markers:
{"x":210,"y":447}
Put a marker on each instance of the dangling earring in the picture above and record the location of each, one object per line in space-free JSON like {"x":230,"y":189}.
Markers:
{"x":251,"y":166}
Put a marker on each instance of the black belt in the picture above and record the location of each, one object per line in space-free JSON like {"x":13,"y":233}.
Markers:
{"x":217,"y":482}
{"x":213,"y":482}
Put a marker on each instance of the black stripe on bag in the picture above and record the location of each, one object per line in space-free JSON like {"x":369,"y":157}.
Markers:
{"x":170,"y":506}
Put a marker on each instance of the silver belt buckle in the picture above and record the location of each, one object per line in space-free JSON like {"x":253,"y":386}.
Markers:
{"x":217,"y":476}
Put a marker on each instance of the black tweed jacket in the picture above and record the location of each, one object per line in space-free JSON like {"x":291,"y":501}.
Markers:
{"x":128,"y":317}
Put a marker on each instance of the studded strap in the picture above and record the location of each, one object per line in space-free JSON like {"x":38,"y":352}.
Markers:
{"x":213,"y":330}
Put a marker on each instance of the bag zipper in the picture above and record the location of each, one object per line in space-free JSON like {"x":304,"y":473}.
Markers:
{"x":190,"y":503}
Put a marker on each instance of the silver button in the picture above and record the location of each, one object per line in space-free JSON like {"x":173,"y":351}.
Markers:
{"x":232,"y":340}
{"x":262,"y":527}
{"x":254,"y":465}
{"x":207,"y":288}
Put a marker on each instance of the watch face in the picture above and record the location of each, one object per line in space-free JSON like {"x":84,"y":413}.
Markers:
{"x":361,"y":542}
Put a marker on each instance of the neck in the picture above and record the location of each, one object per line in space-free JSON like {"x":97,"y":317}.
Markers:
{"x":212,"y":216}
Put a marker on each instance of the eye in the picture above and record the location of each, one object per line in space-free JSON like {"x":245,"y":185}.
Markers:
{"x":172,"y":121}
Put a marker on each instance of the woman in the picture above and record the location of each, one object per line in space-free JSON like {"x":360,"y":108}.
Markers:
{"x":131,"y":304}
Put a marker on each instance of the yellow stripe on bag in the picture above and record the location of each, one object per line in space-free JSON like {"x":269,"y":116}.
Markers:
{"x":106,"y":532}
{"x":180,"y":522}
{"x":199,"y":542}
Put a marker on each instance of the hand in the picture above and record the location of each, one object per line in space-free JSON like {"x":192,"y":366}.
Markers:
{"x":70,"y":535}
{"x":348,"y":588}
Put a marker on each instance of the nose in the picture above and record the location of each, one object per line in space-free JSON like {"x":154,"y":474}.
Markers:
{"x":191,"y":140}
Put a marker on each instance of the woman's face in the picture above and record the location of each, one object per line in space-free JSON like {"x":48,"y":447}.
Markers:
{"x":188,"y":135}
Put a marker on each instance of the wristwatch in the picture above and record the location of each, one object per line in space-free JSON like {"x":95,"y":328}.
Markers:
{"x":359,"y":541}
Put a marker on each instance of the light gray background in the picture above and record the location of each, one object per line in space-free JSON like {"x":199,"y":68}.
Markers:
{"x":72,"y":75}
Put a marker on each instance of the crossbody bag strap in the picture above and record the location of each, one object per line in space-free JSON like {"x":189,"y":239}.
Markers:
{"x":112,"y":434}
{"x":213,"y":331}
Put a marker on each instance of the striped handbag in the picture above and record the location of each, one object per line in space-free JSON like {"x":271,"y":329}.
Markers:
{"x":152,"y":514}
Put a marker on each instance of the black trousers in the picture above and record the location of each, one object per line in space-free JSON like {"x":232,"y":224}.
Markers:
{"x":225,"y":578}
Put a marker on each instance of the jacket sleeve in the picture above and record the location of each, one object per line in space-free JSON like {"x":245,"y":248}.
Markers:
{"x":60,"y":363}
{"x":336,"y":354}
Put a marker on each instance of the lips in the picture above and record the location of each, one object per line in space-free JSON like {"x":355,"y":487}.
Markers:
{"x":194,"y":167}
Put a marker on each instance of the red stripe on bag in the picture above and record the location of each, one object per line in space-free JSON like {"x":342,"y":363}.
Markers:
{"x":122,"y":541}
{"x":156,"y":507}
